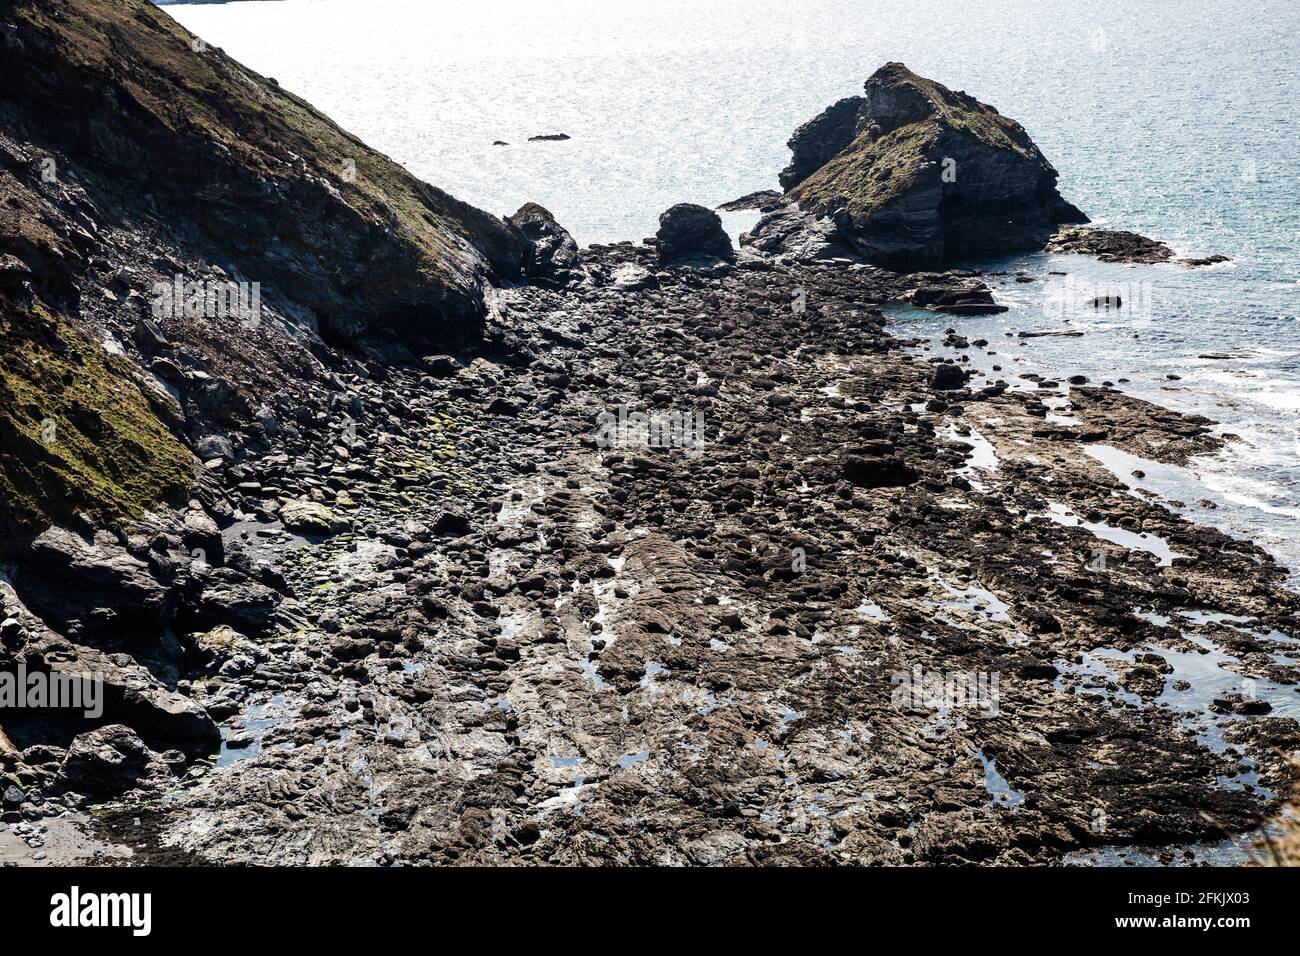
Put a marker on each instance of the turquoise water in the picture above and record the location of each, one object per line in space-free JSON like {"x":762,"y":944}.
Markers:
{"x":1176,"y":121}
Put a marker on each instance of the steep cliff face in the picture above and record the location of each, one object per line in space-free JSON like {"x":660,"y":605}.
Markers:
{"x":171,"y":137}
{"x":920,"y":175}
{"x":135,"y":158}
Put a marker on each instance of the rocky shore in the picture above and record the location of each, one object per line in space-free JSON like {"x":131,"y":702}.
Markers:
{"x":660,"y":553}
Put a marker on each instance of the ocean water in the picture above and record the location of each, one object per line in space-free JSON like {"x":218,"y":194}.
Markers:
{"x":1176,"y":121}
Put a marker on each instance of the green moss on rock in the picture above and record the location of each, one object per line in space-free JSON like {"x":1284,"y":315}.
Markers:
{"x":871,"y":172}
{"x":77,"y":431}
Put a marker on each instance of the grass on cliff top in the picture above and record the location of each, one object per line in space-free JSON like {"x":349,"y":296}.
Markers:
{"x":77,"y":433}
{"x":964,"y":113}
{"x":208,"y":95}
{"x":870,"y":173}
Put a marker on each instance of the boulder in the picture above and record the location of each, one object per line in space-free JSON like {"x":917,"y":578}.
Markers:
{"x":631,"y":277}
{"x":202,"y":534}
{"x":687,"y":230}
{"x":214,"y":446}
{"x":308,"y":517}
{"x":940,"y":292}
{"x":246,"y":603}
{"x":877,"y":471}
{"x":108,"y":762}
{"x":88,"y":585}
{"x":441,"y":366}
{"x":947,"y":377}
{"x":551,"y":250}
{"x":452,"y":523}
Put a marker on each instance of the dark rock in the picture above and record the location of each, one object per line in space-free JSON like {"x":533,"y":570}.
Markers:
{"x":109,"y":762}
{"x":764,"y":200}
{"x":957,"y":295}
{"x":243,"y":603}
{"x":1041,"y":621}
{"x":816,"y":142}
{"x":1110,"y":245}
{"x":85,"y":585}
{"x":452,"y":523}
{"x":877,"y":472}
{"x":441,"y":366}
{"x":690,"y":230}
{"x":947,"y":376}
{"x":1235,"y":703}
{"x":924,"y":175}
{"x":503,"y":406}
{"x":214,"y":446}
{"x":202,"y":534}
{"x":552,"y":251}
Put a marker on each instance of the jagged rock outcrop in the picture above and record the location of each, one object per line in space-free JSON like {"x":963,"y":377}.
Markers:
{"x":1118,"y":245}
{"x":918,"y":175}
{"x":816,"y":142}
{"x":687,"y":230}
{"x":551,"y":252}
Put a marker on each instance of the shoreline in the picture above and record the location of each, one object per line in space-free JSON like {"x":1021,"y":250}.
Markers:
{"x":596,"y":662}
{"x":466,"y":546}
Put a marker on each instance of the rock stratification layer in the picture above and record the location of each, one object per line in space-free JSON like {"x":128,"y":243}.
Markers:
{"x":915,"y":175}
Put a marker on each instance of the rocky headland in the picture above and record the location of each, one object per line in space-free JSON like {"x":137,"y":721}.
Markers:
{"x":472,"y":546}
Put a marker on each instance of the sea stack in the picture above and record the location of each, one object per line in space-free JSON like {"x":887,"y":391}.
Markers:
{"x":913,"y":175}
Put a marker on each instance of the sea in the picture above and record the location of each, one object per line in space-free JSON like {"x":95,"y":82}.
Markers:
{"x":1175,"y":120}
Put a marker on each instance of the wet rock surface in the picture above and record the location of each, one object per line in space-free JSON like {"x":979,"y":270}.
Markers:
{"x":545,"y":642}
{"x":1117,"y":245}
{"x":652,"y":561}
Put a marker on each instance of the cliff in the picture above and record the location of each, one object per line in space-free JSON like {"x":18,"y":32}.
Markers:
{"x":133,"y":157}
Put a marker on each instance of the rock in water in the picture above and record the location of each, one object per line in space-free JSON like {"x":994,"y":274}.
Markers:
{"x":1111,"y":245}
{"x":688,"y":230}
{"x":919,"y":175}
{"x":553,"y":252}
{"x":942,"y":292}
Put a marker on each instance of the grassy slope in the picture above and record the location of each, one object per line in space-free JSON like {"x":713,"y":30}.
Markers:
{"x":139,"y":48}
{"x":77,"y":432}
{"x":116,"y":86}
